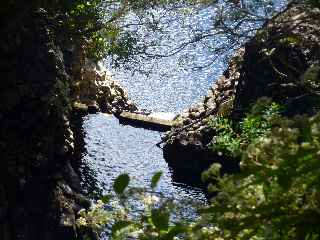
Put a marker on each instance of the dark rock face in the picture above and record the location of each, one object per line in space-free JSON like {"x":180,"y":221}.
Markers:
{"x":39,"y":191}
{"x":42,"y":78}
{"x":276,"y":60}
{"x":188,"y":163}
{"x":281,"y":62}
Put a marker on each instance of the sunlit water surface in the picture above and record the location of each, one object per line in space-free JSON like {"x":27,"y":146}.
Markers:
{"x":112,"y":149}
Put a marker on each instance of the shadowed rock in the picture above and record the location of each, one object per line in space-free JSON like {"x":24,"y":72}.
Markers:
{"x":281,"y":62}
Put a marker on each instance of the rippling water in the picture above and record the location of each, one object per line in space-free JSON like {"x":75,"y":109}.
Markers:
{"x":112,"y":149}
{"x":174,"y":83}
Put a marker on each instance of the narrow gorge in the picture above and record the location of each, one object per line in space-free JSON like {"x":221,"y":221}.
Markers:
{"x":61,"y":142}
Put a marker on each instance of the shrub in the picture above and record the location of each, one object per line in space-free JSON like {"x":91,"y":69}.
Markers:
{"x":276,"y":195}
{"x":232,"y":138}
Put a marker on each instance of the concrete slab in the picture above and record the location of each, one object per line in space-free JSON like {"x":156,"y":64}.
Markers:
{"x":154,"y":121}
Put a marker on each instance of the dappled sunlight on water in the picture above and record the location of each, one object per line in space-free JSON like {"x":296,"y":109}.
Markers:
{"x":174,"y":83}
{"x":113,"y":149}
{"x":171,"y":86}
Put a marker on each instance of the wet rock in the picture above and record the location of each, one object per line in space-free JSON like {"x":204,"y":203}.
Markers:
{"x":93,"y":108}
{"x":72,"y":177}
{"x":65,"y":202}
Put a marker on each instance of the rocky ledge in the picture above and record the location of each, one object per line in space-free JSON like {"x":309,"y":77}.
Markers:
{"x":186,"y":145}
{"x":280,"y":62}
{"x":93,"y":87}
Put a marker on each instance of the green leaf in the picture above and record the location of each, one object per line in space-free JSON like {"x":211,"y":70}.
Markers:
{"x":121,"y":182}
{"x":118,"y":226}
{"x":105,"y":199}
{"x":155,"y":179}
{"x":160,"y":218}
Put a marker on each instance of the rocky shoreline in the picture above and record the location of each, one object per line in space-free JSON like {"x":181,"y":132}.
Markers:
{"x":47,"y":86}
{"x":186,"y":145}
{"x":95,"y":90}
{"x":276,"y":63}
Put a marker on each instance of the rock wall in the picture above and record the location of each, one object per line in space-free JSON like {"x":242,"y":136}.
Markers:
{"x":185,"y":147}
{"x":281,"y":62}
{"x":39,"y":190}
{"x":277,"y":59}
{"x":94,"y":88}
{"x":47,"y":85}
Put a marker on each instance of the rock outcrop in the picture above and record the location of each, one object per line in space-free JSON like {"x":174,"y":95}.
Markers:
{"x":192,"y":128}
{"x":277,"y":60}
{"x":280,"y":62}
{"x":94,"y":88}
{"x":40,"y":192}
{"x":186,"y":145}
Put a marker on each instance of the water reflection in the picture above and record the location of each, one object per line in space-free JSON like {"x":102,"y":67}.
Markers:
{"x":112,"y":149}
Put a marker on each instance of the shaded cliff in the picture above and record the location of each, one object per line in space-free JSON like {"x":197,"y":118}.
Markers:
{"x":48,"y":82}
{"x":39,"y":189}
{"x":280,"y":62}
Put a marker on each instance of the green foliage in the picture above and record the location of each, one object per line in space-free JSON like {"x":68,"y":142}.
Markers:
{"x":231,"y":138}
{"x":94,"y":219}
{"x":290,"y":40}
{"x":160,"y":218}
{"x":122,"y":48}
{"x":105,"y":199}
{"x":226,"y":140}
{"x":155,"y":179}
{"x":153,"y":222}
{"x":118,"y":226}
{"x":257,"y":122}
{"x":121,"y":183}
{"x":91,"y":23}
{"x":276,"y":195}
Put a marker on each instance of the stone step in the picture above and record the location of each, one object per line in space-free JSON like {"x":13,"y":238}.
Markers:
{"x":154,"y":121}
